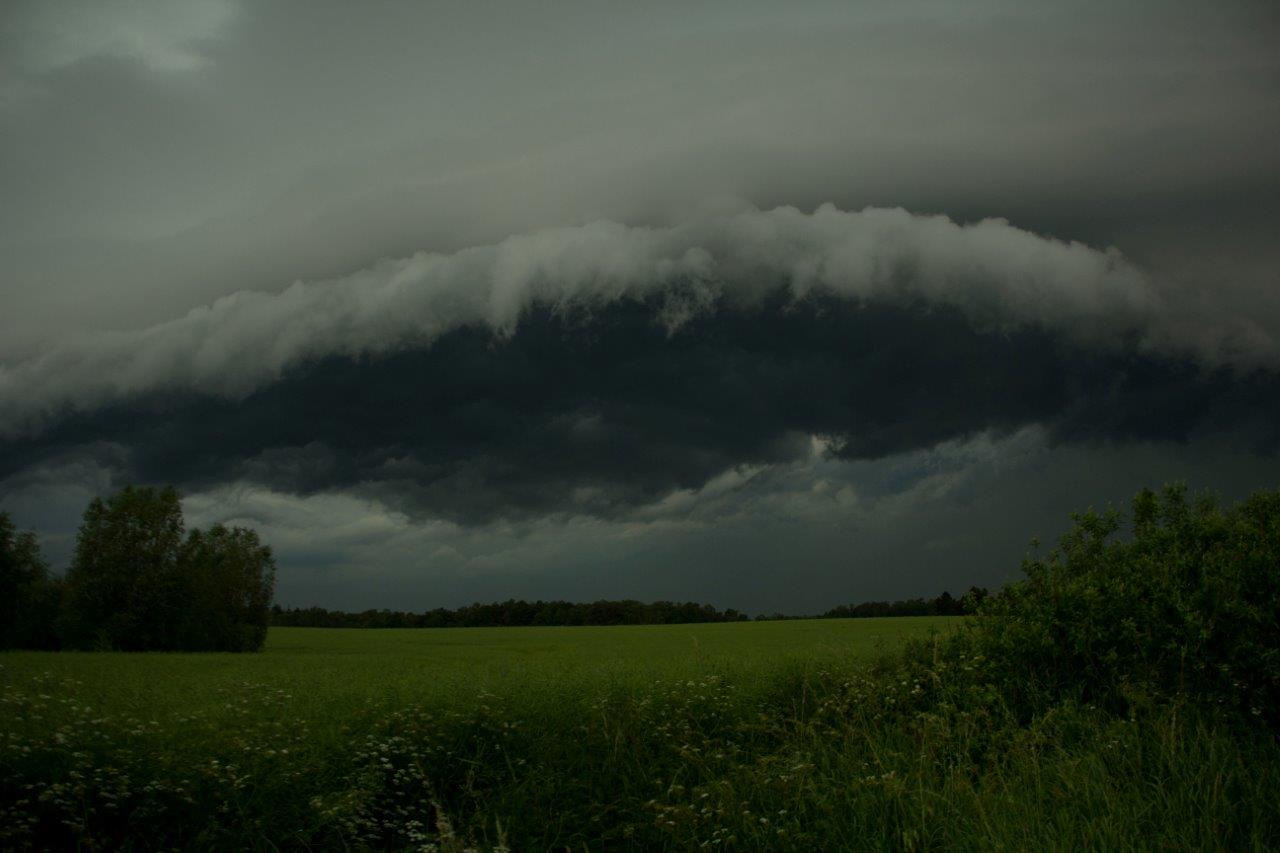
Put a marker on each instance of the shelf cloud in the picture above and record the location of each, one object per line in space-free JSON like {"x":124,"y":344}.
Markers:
{"x":998,"y":277}
{"x":594,"y":369}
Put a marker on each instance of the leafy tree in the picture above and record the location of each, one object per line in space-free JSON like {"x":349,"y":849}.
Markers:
{"x":28,"y":595}
{"x":973,"y":598}
{"x":228,"y":579}
{"x":135,"y":584}
{"x":123,"y":587}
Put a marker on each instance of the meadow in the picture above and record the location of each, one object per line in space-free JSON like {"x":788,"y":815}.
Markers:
{"x":330,"y":674}
{"x":805,"y":734}
{"x":1124,"y":696}
{"x":220,"y":746}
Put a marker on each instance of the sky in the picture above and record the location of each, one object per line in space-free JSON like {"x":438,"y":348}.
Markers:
{"x":771,"y":306}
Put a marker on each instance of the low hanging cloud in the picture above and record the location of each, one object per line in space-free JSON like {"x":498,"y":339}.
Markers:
{"x":595,"y":369}
{"x":995,"y":275}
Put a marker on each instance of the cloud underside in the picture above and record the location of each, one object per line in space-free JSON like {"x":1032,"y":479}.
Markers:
{"x":588,"y":408}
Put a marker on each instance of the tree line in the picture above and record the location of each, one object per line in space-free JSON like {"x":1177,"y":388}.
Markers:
{"x":138,"y":582}
{"x":512,"y":613}
{"x":944,"y":605}
{"x":516,"y":613}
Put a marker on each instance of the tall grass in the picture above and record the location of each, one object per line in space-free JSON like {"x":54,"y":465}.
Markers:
{"x":843,"y":757}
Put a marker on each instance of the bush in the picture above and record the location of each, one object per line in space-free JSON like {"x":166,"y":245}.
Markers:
{"x":1187,"y":608}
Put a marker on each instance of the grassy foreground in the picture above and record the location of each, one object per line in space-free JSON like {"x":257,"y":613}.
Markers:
{"x":337,"y":737}
{"x":778,"y":735}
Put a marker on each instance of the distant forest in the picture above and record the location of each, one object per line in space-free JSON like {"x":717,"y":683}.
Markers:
{"x":523,"y":613}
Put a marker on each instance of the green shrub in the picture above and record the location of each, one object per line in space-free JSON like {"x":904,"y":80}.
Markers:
{"x":1187,"y":608}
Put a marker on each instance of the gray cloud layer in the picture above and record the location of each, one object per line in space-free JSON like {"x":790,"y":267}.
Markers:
{"x":152,"y":161}
{"x":997,"y":276}
{"x":594,"y":370}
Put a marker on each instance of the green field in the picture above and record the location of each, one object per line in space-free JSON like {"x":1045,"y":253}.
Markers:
{"x":303,"y":704}
{"x":330,"y":671}
{"x":793,"y":735}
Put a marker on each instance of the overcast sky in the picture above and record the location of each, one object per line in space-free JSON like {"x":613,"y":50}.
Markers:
{"x":774,"y":306}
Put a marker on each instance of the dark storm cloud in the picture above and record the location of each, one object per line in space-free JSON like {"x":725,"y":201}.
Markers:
{"x":599,"y":410}
{"x":594,"y":370}
{"x":996,"y":275}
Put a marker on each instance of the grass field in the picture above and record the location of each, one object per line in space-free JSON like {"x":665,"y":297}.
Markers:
{"x":770,"y":735}
{"x":329,"y":671}
{"x":314,"y":693}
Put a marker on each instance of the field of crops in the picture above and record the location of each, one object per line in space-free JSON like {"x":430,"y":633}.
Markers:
{"x":763,"y":735}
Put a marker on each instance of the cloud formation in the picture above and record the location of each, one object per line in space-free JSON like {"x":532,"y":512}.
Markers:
{"x":317,"y":137}
{"x":795,"y":537}
{"x":594,"y":370}
{"x":998,"y":277}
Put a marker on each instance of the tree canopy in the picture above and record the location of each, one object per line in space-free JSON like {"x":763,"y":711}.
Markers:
{"x":139,"y":582}
{"x":28,"y":595}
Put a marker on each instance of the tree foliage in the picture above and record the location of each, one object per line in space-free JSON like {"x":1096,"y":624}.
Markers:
{"x":944,"y":605}
{"x":228,"y":577}
{"x":136,"y":584}
{"x":1186,"y":607}
{"x":29,"y":597}
{"x":123,"y":586}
